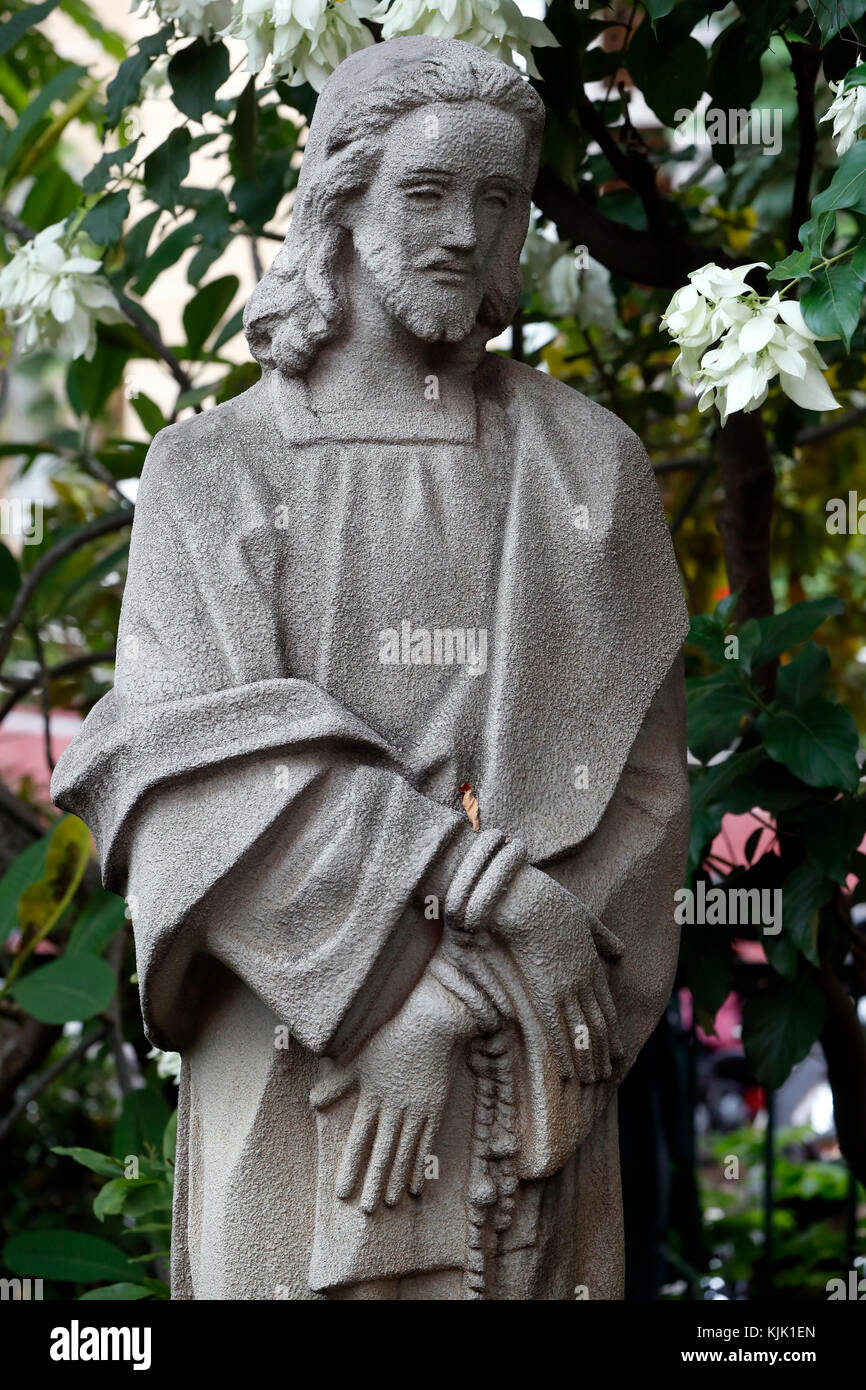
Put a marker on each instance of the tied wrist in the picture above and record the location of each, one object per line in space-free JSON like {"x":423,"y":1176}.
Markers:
{"x":480,"y":880}
{"x":479,"y":1012}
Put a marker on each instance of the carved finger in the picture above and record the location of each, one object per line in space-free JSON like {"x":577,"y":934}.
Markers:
{"x":581,"y":1042}
{"x":608,"y":1008}
{"x":402,"y":1167}
{"x":379,"y":1165}
{"x":357,"y":1146}
{"x":425,"y":1144}
{"x":558,"y":1037}
{"x":598,"y":1030}
{"x":608,"y":946}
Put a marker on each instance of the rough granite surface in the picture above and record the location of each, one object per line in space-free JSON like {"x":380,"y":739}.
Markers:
{"x":396,"y":566}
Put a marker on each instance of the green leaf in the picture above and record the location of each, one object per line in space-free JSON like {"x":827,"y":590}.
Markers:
{"x":89,"y":384}
{"x":196,"y":73}
{"x":228,"y":331}
{"x":780,"y":632}
{"x":847,"y":186}
{"x":10,"y":576}
{"x":27,"y":868}
{"x":245,"y":128}
{"x":657,"y":9}
{"x":112,"y":1198}
{"x":805,"y":890}
{"x":832,"y":834}
{"x":52,"y":198}
{"x":15,"y":28}
{"x":55,"y":90}
{"x":716,"y":707}
{"x":836,"y":15}
{"x":67,"y":1257}
{"x":239,"y":379}
{"x":103,"y":917}
{"x":166,"y":169}
{"x":707,"y":969}
{"x":815,"y":233}
{"x":831,"y":307}
{"x":142,"y":1123}
{"x":71,"y":989}
{"x":96,"y":179}
{"x":124,"y":87}
{"x":148,"y":413}
{"x":780,"y":1025}
{"x":43,"y":903}
{"x":167,"y":253}
{"x":205,"y":309}
{"x":89,"y":1158}
{"x":116,"y":1293}
{"x":793,"y":267}
{"x":169,"y":1140}
{"x":801,"y":679}
{"x":817,"y":742}
{"x":669,"y":67}
{"x":708,"y":633}
{"x":104,"y":222}
{"x":748,"y":644}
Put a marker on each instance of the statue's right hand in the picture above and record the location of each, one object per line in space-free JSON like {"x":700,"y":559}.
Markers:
{"x":559,"y":948}
{"x":403,"y":1076}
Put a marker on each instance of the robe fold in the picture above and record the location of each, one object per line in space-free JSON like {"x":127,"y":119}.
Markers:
{"x":331,"y":623}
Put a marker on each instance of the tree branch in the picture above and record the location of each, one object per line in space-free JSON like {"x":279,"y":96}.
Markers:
{"x":101,"y":526}
{"x":22,"y":685}
{"x":805,"y":63}
{"x":626,"y":251}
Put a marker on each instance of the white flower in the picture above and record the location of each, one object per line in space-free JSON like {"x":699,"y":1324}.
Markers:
{"x":848,"y":114}
{"x":56,"y":295}
{"x":168,"y":1064}
{"x":305,"y":39}
{"x":572,"y":289}
{"x":201,"y":19}
{"x":755,"y":341}
{"x":497,"y":25}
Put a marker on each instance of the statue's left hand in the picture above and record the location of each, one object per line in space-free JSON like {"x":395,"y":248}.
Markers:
{"x":403,"y":1076}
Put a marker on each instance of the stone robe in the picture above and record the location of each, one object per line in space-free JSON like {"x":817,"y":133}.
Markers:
{"x":273,"y":784}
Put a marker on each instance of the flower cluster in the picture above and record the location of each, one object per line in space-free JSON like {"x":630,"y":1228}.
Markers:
{"x":305,"y":39}
{"x":733,"y":343}
{"x":497,"y":25}
{"x":168,"y":1064}
{"x":568,"y":283}
{"x":56,"y":295}
{"x":201,"y":19}
{"x":848,"y":114}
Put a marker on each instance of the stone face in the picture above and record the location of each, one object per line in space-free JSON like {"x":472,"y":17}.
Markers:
{"x":361,"y":619}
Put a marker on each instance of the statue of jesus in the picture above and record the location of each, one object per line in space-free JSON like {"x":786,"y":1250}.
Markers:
{"x":393,"y":773}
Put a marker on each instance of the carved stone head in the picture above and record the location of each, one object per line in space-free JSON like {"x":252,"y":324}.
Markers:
{"x":419,"y":166}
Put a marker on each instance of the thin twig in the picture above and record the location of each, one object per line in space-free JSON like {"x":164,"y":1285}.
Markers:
{"x":48,"y":1076}
{"x":22,"y":685}
{"x":101,"y":526}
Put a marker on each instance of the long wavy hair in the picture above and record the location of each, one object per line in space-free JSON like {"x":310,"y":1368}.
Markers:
{"x":300,"y":304}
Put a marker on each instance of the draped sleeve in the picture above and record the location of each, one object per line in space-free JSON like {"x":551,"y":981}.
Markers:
{"x":246,"y":814}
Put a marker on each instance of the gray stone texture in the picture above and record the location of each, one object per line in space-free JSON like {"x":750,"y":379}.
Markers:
{"x":397,"y":565}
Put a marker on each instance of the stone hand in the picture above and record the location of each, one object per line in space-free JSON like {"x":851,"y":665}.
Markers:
{"x":559,"y":948}
{"x":403,"y":1076}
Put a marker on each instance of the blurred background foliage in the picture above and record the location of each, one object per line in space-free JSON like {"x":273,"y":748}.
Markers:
{"x":174,"y":167}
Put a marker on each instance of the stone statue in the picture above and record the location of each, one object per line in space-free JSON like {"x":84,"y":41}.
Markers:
{"x":393,"y":773}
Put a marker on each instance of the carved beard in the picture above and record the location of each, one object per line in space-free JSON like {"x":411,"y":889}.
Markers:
{"x":432,"y":312}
